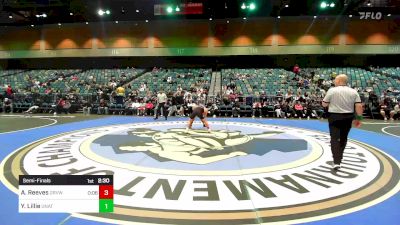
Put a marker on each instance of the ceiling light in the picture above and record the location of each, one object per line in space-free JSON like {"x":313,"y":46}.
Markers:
{"x":244,"y":18}
{"x":332,"y":5}
{"x":350,"y":15}
{"x":210,"y":19}
{"x":252,"y":6}
{"x":137,"y":10}
{"x":87,"y":23}
{"x":323,"y":5}
{"x":243,"y":6}
{"x":227,"y":21}
{"x":32,"y":25}
{"x":116,"y":21}
{"x":37,"y":16}
{"x":100,"y":12}
{"x":389,"y":14}
{"x":177,"y":9}
{"x":169,"y":9}
{"x":44,"y":15}
{"x":108,"y":12}
{"x":286,"y":6}
{"x":10,"y":16}
{"x":147,"y":21}
{"x":279,"y":17}
{"x":59,"y":24}
{"x":71,"y":14}
{"x":315,"y":17}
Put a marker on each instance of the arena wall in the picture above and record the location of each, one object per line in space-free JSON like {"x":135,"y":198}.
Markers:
{"x":271,"y":36}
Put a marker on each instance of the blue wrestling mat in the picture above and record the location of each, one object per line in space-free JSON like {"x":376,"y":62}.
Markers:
{"x":246,"y":171}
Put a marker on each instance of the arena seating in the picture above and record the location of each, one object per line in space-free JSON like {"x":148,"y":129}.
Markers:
{"x":249,"y":83}
{"x":157,"y":79}
{"x":254,"y":81}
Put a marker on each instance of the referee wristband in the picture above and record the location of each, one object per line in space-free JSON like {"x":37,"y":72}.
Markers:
{"x":358,"y":117}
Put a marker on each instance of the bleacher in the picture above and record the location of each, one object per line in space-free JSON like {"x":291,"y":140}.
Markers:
{"x":157,"y":80}
{"x":257,"y":80}
{"x":248,"y":82}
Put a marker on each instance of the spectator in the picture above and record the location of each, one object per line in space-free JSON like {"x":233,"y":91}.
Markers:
{"x":62,"y":105}
{"x":7,"y":105}
{"x":120,"y":95}
{"x":296,"y":69}
{"x":149,"y":108}
{"x":317,"y":109}
{"x":169,"y":80}
{"x":236,"y":109}
{"x":278,"y":110}
{"x":299,"y":110}
{"x":128,"y":107}
{"x":257,"y":109}
{"x":396,"y":111}
{"x":135,"y":107}
{"x":213,"y":110}
{"x":373,"y":99}
{"x":86,"y":107}
{"x":174,"y":104}
{"x":9,"y":92}
{"x":386,"y":110}
{"x":103,"y":107}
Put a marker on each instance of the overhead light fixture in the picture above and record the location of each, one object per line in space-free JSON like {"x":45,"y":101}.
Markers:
{"x":332,"y":5}
{"x":10,"y":16}
{"x":389,"y":14}
{"x":286,"y":6}
{"x":100,"y":12}
{"x":59,"y":24}
{"x":252,"y":6}
{"x":177,"y":9}
{"x":169,"y":9}
{"x":87,"y":23}
{"x":116,"y":21}
{"x":315,"y":17}
{"x":32,"y":25}
{"x":350,"y":15}
{"x":44,"y":15}
{"x":279,"y":17}
{"x":122,"y":10}
{"x":244,"y":18}
{"x":210,"y":19}
{"x":147,"y":21}
{"x":369,"y":3}
{"x":243,"y":6}
{"x":227,"y":21}
{"x":137,"y":10}
{"x":323,"y":5}
{"x":71,"y":14}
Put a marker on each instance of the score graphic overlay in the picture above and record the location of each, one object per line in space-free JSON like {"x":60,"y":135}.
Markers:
{"x":66,"y":193}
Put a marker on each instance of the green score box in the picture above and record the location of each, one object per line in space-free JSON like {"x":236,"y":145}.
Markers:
{"x":106,"y":205}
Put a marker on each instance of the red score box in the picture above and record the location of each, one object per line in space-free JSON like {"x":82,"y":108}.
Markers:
{"x":106,"y":191}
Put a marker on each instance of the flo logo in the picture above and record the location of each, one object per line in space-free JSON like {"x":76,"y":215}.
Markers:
{"x":370,"y":15}
{"x":241,"y":173}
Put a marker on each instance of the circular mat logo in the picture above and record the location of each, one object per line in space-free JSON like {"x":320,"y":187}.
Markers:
{"x":239,"y":173}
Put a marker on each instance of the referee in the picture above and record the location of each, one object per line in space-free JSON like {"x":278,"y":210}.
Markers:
{"x":341,"y":100}
{"x":161,"y":101}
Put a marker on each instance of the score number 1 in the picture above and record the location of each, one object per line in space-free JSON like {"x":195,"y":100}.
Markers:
{"x":106,"y":198}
